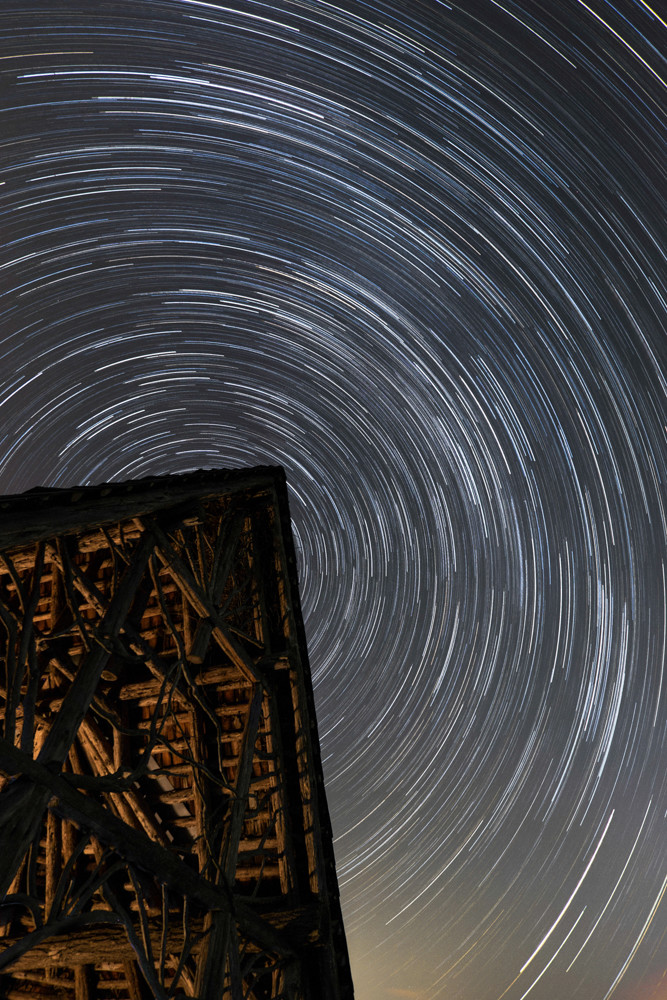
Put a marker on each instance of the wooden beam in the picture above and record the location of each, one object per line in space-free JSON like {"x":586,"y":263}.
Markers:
{"x":135,"y":984}
{"x":22,"y":627}
{"x":94,"y":944}
{"x":18,"y":948}
{"x":212,"y":963}
{"x":84,"y":980}
{"x":90,"y":945}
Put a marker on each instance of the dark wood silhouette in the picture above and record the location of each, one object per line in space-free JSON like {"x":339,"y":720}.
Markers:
{"x":163,"y":824}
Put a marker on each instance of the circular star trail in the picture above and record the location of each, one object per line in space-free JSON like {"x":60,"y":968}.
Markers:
{"x":413,"y":252}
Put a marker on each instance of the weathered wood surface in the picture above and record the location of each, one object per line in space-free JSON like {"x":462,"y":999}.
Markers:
{"x":92,"y":944}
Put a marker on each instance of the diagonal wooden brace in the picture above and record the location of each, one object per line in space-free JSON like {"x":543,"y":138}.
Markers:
{"x":213,"y":960}
{"x":23,"y":804}
{"x":135,"y":847}
{"x":204,"y":607}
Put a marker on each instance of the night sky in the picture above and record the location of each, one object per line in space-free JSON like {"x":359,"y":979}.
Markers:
{"x":413,"y":252}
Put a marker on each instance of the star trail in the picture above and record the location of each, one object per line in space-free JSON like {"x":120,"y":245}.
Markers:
{"x":413,"y":252}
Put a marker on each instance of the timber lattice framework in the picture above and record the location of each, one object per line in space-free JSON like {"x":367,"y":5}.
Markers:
{"x":163,"y":825}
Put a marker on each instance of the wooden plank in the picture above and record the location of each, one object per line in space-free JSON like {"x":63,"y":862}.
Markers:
{"x":52,"y":859}
{"x":201,"y":791}
{"x":11,"y":705}
{"x":20,"y":947}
